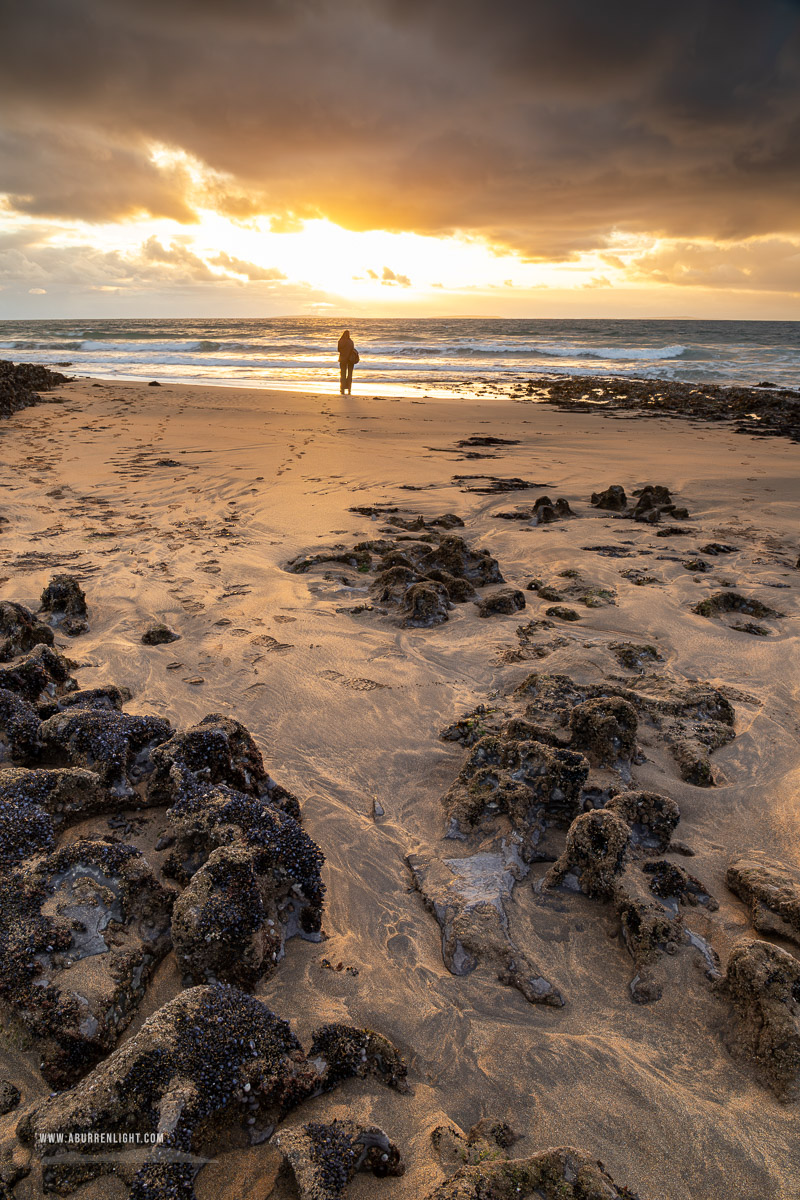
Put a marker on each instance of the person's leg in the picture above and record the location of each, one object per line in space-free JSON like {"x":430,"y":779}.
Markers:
{"x":342,"y":377}
{"x":349,"y":377}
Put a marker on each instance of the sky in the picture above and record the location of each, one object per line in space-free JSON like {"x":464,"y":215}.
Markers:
{"x":400,"y":157}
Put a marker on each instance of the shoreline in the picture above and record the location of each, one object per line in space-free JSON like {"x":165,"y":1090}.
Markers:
{"x":181,"y":505}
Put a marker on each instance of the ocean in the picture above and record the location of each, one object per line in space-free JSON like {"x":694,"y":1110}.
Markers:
{"x":400,"y":356}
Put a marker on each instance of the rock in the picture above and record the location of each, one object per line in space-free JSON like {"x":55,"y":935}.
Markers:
{"x":545,"y":510}
{"x":25,"y":829}
{"x":594,"y":856}
{"x":613,"y":499}
{"x":772,"y":893}
{"x":9,"y":1096}
{"x":39,"y":675}
{"x":563,"y":1173}
{"x":206,"y":817}
{"x":715,"y":548}
{"x":159,"y":635}
{"x":532,"y":782}
{"x":562,"y":613}
{"x":653,"y":502}
{"x":154,"y":383}
{"x":67,"y":793}
{"x":467,"y":896}
{"x":762,"y":984}
{"x":201,"y":1065}
{"x":750,"y":627}
{"x":425,"y":604}
{"x":19,"y":727}
{"x":231,"y":922}
{"x":20,"y":382}
{"x":604,"y":730}
{"x":117,"y":746}
{"x":65,"y":601}
{"x":698,"y":565}
{"x":89,"y":900}
{"x":652,"y":819}
{"x":634,"y":657}
{"x":20,"y":631}
{"x":671,"y":882}
{"x":217,"y":750}
{"x":489,"y":1139}
{"x":725,"y":602}
{"x":502,"y":603}
{"x":325,"y":1158}
{"x":647,"y":931}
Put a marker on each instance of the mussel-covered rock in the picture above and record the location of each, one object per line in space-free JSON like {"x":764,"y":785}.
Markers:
{"x":81,"y":930}
{"x":117,"y":746}
{"x":19,"y":727}
{"x":20,"y":631}
{"x":64,"y":601}
{"x":324,"y":1158}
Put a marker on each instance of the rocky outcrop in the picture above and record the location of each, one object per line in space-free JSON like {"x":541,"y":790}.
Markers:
{"x":613,"y":499}
{"x":209,"y":1064}
{"x":505,"y":602}
{"x":771,"y":892}
{"x":324,"y":1158}
{"x":762,"y":984}
{"x":64,"y":602}
{"x":560,"y":1174}
{"x":20,"y":631}
{"x":117,"y":746}
{"x":73,"y":985}
{"x":594,"y":856}
{"x":20,"y":384}
{"x":651,"y":818}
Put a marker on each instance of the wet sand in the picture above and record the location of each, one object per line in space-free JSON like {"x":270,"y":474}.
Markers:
{"x":184,"y":505}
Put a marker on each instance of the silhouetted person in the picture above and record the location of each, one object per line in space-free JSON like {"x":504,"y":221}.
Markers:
{"x":348,"y":357}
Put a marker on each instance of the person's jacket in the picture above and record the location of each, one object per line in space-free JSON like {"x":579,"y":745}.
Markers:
{"x":346,"y":349}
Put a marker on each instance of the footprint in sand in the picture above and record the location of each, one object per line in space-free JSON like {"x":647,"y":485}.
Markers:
{"x":270,"y":644}
{"x":355,"y":685}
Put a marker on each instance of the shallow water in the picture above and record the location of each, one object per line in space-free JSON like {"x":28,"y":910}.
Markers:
{"x":401,"y":356}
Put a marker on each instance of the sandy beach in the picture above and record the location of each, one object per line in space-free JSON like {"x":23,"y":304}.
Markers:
{"x":186,"y":505}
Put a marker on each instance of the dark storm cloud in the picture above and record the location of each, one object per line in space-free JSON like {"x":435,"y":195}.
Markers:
{"x":542,"y":125}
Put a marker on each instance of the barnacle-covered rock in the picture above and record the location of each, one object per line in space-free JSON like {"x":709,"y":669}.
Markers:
{"x":216,"y":750}
{"x":325,"y":1158}
{"x":118,"y":746}
{"x":762,"y":983}
{"x":633,"y":656}
{"x":205,"y":818}
{"x":20,"y":631}
{"x":652,"y":818}
{"x":19,"y":727}
{"x":231,"y":921}
{"x":653,"y":501}
{"x":530,"y":781}
{"x":604,"y":729}
{"x":488,"y":1140}
{"x":198,"y":1069}
{"x":672,"y":883}
{"x":9,"y":1096}
{"x":772,"y":893}
{"x":66,"y":793}
{"x":504,"y":602}
{"x":425,"y":604}
{"x":38,"y":675}
{"x":452,"y":554}
{"x":563,"y":1173}
{"x":65,"y":603}
{"x":594,"y":856}
{"x":81,"y":931}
